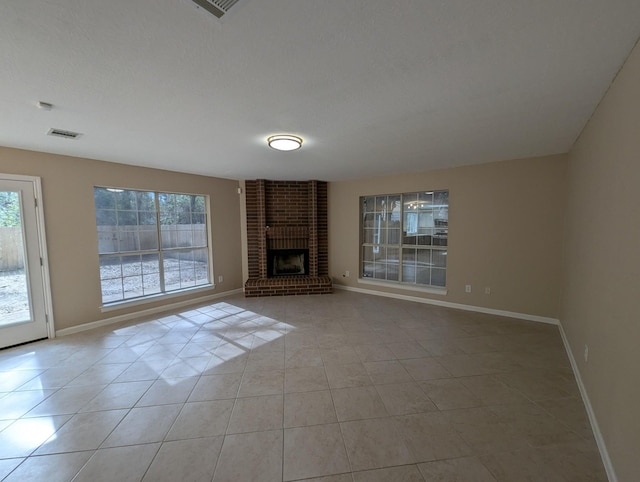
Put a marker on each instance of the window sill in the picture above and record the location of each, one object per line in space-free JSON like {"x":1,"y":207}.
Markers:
{"x":403,"y":286}
{"x":118,"y":305}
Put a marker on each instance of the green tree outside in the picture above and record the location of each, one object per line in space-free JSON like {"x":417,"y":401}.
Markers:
{"x":9,"y":209}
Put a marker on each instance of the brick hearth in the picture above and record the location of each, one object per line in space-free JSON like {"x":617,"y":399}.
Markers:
{"x":287,"y":215}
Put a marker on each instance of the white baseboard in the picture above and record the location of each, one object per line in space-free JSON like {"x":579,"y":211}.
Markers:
{"x":604,"y":453}
{"x":448,"y":304}
{"x":142,"y":313}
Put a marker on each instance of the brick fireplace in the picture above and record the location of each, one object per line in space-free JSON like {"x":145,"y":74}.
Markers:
{"x":287,"y":238}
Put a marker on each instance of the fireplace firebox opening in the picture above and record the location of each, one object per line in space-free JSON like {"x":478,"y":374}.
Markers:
{"x":288,"y":262}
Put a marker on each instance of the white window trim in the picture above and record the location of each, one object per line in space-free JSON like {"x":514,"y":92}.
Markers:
{"x":142,"y":300}
{"x":408,"y":286}
{"x":404,"y":286}
{"x":118,"y":305}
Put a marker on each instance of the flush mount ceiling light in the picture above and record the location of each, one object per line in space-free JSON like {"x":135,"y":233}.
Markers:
{"x":284,"y":142}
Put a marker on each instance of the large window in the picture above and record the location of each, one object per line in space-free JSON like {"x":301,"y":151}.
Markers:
{"x":404,"y":237}
{"x":150,"y":242}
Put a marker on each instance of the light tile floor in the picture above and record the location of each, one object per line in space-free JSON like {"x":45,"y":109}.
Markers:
{"x":342,"y":387}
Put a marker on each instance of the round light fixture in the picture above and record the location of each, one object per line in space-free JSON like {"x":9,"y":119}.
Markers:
{"x":284,"y":142}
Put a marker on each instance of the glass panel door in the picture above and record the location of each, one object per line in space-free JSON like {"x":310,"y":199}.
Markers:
{"x":22,"y":286}
{"x":15,"y":305}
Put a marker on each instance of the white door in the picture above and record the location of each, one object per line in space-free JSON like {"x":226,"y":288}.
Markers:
{"x":23,"y":274}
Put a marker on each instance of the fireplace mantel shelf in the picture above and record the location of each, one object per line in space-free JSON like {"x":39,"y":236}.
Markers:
{"x":287,"y":232}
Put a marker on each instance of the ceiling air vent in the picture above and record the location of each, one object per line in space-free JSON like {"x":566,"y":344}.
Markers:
{"x":64,"y":134}
{"x":216,"y":7}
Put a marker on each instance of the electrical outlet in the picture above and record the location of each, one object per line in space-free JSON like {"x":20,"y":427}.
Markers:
{"x":220,"y":279}
{"x":487,"y":290}
{"x":347,"y":274}
{"x":586,"y":353}
{"x":467,"y":288}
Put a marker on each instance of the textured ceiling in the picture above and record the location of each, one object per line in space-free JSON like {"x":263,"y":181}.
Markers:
{"x":372,"y":86}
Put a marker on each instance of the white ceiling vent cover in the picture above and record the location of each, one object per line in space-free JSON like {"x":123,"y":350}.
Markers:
{"x":216,"y":7}
{"x":62,"y":133}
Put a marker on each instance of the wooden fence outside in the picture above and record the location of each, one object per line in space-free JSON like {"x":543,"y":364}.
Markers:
{"x":113,"y":239}
{"x":11,"y":249}
{"x":12,"y":252}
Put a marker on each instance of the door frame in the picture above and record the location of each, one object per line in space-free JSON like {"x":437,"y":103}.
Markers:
{"x":42,"y":245}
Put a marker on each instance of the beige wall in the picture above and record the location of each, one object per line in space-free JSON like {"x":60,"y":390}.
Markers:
{"x":505,"y":231}
{"x":601,"y":301}
{"x":67,"y":185}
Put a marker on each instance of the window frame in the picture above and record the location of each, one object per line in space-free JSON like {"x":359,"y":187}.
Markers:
{"x":159,"y":251}
{"x":378,"y":235}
